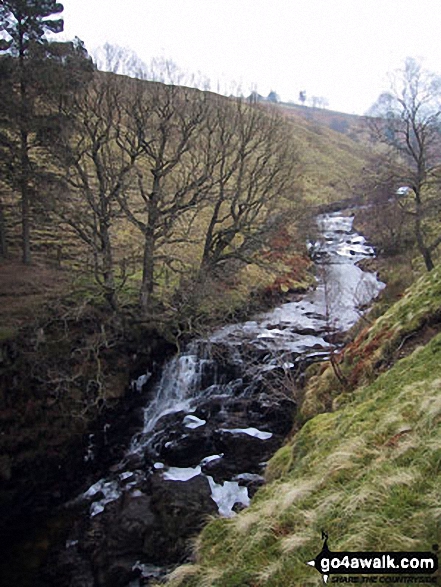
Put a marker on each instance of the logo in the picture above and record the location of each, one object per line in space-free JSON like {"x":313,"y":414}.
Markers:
{"x":373,"y":563}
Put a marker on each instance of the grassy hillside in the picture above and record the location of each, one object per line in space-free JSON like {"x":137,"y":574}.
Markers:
{"x":338,"y":121}
{"x":368,"y":472}
{"x":332,"y":154}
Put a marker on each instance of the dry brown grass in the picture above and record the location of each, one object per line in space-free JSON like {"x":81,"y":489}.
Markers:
{"x":25,"y":289}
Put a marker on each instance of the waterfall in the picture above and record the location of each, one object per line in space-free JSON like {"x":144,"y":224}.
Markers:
{"x":180,"y":380}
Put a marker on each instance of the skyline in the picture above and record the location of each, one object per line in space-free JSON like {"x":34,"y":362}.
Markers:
{"x":339,"y":50}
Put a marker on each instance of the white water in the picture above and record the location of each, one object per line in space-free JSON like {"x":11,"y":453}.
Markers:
{"x":343,"y":289}
{"x":181,"y":474}
{"x":179,"y":382}
{"x":251,"y":432}
{"x":227,"y":494}
{"x":193,"y":422}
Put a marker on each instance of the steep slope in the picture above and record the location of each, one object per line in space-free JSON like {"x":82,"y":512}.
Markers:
{"x":368,"y":473}
{"x":334,"y":150}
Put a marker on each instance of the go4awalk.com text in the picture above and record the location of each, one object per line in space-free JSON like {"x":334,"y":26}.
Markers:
{"x":415,"y":568}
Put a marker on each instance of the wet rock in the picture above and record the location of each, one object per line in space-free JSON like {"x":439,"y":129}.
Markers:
{"x":188,"y":448}
{"x":275,"y":415}
{"x":175,"y":443}
{"x":227,"y":467}
{"x":181,"y":507}
{"x":152,"y":528}
{"x":133,"y":523}
{"x":242,"y":451}
{"x":224,"y":468}
{"x":122,"y":542}
{"x":251,"y":481}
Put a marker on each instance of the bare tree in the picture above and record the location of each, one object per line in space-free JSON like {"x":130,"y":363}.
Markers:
{"x":257,"y":167}
{"x":385,"y":216}
{"x":408,"y":122}
{"x":176,"y":163}
{"x":98,"y":151}
{"x":120,"y":60}
{"x":124,"y":61}
{"x":319,"y":102}
{"x":173,"y":174}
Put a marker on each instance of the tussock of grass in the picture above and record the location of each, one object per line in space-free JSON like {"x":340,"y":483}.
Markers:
{"x":368,"y":473}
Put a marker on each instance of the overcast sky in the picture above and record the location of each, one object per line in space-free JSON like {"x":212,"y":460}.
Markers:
{"x":341,"y":50}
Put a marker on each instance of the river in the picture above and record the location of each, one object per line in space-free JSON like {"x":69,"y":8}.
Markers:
{"x":221,"y":409}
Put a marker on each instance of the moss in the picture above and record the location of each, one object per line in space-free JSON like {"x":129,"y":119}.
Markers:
{"x":7,"y":333}
{"x":279,"y":464}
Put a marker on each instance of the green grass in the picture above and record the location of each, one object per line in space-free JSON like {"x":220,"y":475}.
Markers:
{"x":368,"y":473}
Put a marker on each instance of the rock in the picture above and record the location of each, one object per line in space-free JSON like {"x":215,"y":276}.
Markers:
{"x":181,"y":507}
{"x":251,"y":481}
{"x":178,"y":445}
{"x":108,"y":545}
{"x":151,"y":525}
{"x":133,"y":523}
{"x":243,"y":453}
{"x":187,"y":449}
{"x":275,"y":415}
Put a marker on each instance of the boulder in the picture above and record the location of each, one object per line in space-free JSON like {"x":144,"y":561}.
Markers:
{"x":181,"y":508}
{"x":243,"y":452}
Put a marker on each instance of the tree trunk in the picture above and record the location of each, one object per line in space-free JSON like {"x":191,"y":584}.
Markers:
{"x":108,"y":269}
{"x":3,"y":240}
{"x":425,"y":252}
{"x":427,"y":256}
{"x":25,"y":200}
{"x":206,"y":261}
{"x":148,"y":268}
{"x":148,"y":265}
